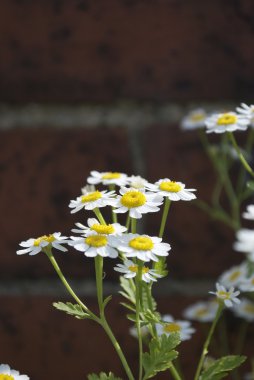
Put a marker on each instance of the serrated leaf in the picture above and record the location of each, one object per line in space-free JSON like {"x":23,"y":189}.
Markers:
{"x":161,"y":354}
{"x":222,"y":366}
{"x":148,"y":301}
{"x":71,"y":309}
{"x":103,"y":376}
{"x":128,"y":292}
{"x":150,"y":316}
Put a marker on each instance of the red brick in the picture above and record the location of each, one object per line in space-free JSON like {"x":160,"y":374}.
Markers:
{"x":160,"y":50}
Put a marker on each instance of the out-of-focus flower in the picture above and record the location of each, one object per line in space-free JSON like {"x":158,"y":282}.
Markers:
{"x":247,"y":284}
{"x":249,"y":213}
{"x":107,"y":178}
{"x":247,"y":111}
{"x":245,"y":310}
{"x":201,"y":311}
{"x":169,"y":326}
{"x":130,"y":270}
{"x":245,"y":242}
{"x":233,"y":276}
{"x":137,"y":182}
{"x":6,"y":373}
{"x":194,"y":119}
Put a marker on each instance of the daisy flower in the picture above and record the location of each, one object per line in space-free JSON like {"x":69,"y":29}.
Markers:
{"x":245,"y":310}
{"x":107,"y":178}
{"x":226,"y":122}
{"x":194,"y":119}
{"x":6,"y":373}
{"x":143,"y":329}
{"x":92,"y":200}
{"x":168,"y":326}
{"x":33,"y":246}
{"x":201,"y":311}
{"x":249,"y":214}
{"x":229,"y":297}
{"x":247,"y":284}
{"x":87,"y":189}
{"x":233,"y":276}
{"x":137,"y":182}
{"x":174,"y":191}
{"x":247,"y":111}
{"x":130,"y":270}
{"x":143,"y":247}
{"x":94,"y":245}
{"x":95,"y":227}
{"x":245,"y":242}
{"x":136,"y":202}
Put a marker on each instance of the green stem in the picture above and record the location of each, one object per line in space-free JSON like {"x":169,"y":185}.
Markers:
{"x":240,"y":155}
{"x":99,"y":215}
{"x":128,"y":220}
{"x":164,"y":216}
{"x":138,"y":302}
{"x":114,"y":215}
{"x":99,"y":284}
{"x":174,"y":372}
{"x":133,"y":225}
{"x":207,"y":342}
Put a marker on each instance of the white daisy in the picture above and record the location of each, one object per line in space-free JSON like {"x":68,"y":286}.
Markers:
{"x":130,"y":270}
{"x":194,"y":119}
{"x":175,"y":191}
{"x":168,"y":326}
{"x":107,"y":178}
{"x":143,"y":329}
{"x":92,"y":200}
{"x":95,"y":227}
{"x":247,"y":111}
{"x":201,"y":311}
{"x":136,"y":202}
{"x":245,"y":242}
{"x":245,"y":310}
{"x":247,"y":284}
{"x":33,"y":246}
{"x":94,"y":245}
{"x":229,"y":297}
{"x":6,"y":373}
{"x":87,"y":189}
{"x":137,"y":182}
{"x":226,"y":122}
{"x":143,"y":247}
{"x":233,"y":276}
{"x":249,"y":214}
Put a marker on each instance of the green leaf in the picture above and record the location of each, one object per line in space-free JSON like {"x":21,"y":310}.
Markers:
{"x":220,"y":367}
{"x":161,"y":354}
{"x":71,"y":309}
{"x":106,"y":301}
{"x":128,"y":292}
{"x":103,"y":376}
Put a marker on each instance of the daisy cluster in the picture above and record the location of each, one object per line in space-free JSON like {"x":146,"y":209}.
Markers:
{"x":6,"y":373}
{"x":220,"y":122}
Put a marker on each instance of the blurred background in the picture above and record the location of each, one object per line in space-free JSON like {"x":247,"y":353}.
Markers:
{"x":102,"y":85}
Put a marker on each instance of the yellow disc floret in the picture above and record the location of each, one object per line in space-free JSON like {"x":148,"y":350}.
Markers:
{"x":201,"y":312}
{"x":47,"y":238}
{"x":103,"y":229}
{"x":134,"y":268}
{"x":6,"y":377}
{"x":111,"y":175}
{"x":96,"y":241}
{"x":227,"y":119}
{"x":133,"y":199}
{"x":91,"y":197}
{"x":170,"y":186}
{"x":172,"y":327}
{"x":141,"y":243}
{"x":223,"y":294}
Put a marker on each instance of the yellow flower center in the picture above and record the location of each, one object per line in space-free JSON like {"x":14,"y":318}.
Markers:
{"x":133,"y":199}
{"x":197,"y":117}
{"x":91,"y":197}
{"x":111,"y":175}
{"x":104,"y":229}
{"x":134,"y":268}
{"x":249,"y":308}
{"x":223,"y":294}
{"x":6,"y":377}
{"x":47,"y":238}
{"x":170,"y":186}
{"x":171,"y":328}
{"x":141,"y":243}
{"x":201,"y":312}
{"x":234,"y":276}
{"x":96,"y":241}
{"x":227,"y":119}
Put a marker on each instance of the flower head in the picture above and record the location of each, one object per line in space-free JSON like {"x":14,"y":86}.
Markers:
{"x":92,"y":199}
{"x":194,"y":119}
{"x":6,"y":373}
{"x":107,"y":178}
{"x":94,"y":245}
{"x":247,"y":111}
{"x":95,"y":228}
{"x":245,"y":242}
{"x":169,"y":326}
{"x":136,"y":202}
{"x":247,"y":284}
{"x":245,"y":310}
{"x":137,"y":182}
{"x":143,"y":247}
{"x":130,"y":270}
{"x":229,"y":297}
{"x":175,"y":191}
{"x":33,"y":246}
{"x":201,"y":311}
{"x":249,"y":214}
{"x":233,"y":276}
{"x":226,"y":122}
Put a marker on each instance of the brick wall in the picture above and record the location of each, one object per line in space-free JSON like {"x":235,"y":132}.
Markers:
{"x":102,"y":85}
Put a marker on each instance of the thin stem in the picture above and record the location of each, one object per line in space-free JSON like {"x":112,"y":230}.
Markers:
{"x":174,"y":372}
{"x":164,"y":216}
{"x":114,"y":215}
{"x":99,"y":284}
{"x":128,"y":220}
{"x":207,"y":342}
{"x":99,"y":215}
{"x":240,"y":155}
{"x":138,"y":302}
{"x":133,"y":225}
